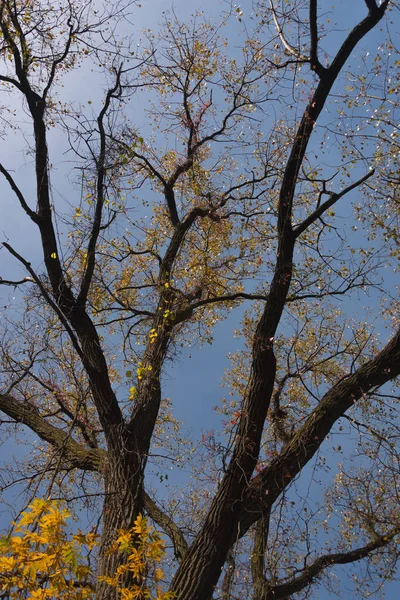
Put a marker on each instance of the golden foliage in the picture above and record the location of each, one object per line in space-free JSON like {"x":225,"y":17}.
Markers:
{"x":41,"y":560}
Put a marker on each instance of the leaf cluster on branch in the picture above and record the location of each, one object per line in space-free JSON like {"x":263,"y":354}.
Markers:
{"x":211,"y":179}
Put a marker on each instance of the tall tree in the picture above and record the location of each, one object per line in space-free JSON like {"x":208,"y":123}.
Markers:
{"x":225,"y":210}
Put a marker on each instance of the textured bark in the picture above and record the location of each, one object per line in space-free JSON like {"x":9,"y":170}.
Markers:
{"x":123,"y":502}
{"x":200,"y":570}
{"x":167,"y":524}
{"x":311,"y":572}
{"x":240,"y":500}
{"x":268,"y":485}
{"x":257,"y":559}
{"x":76,"y":455}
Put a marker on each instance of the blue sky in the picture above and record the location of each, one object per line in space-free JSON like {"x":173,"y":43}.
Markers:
{"x":194,"y":393}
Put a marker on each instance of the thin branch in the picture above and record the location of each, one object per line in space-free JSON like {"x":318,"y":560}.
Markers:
{"x":187,"y":312}
{"x":31,"y":213}
{"x":60,"y":59}
{"x":47,"y":297}
{"x":15,"y":283}
{"x":25,"y":373}
{"x":291,"y":49}
{"x":299,"y":229}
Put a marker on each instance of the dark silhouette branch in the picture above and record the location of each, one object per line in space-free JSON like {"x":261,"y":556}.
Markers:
{"x":31,"y":213}
{"x":16,"y":283}
{"x":220,"y":523}
{"x":47,"y":297}
{"x":273,"y":479}
{"x":371,"y":5}
{"x":114,"y":92}
{"x":299,"y":229}
{"x":313,"y":571}
{"x":314,"y":62}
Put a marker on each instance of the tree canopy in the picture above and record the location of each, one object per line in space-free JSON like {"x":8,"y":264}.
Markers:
{"x":237,"y":173}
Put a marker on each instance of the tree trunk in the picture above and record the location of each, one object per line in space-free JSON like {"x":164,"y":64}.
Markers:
{"x":122,"y":504}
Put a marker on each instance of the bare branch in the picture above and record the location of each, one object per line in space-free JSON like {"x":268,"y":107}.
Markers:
{"x":160,"y":517}
{"x":371,"y":5}
{"x":291,"y":49}
{"x":47,"y":297}
{"x":310,"y":573}
{"x":113,"y":92}
{"x":186,"y":312}
{"x":15,"y":283}
{"x":269,"y":484}
{"x":299,"y":229}
{"x":60,"y":59}
{"x":258,"y":555}
{"x":31,"y":213}
{"x":315,"y":64}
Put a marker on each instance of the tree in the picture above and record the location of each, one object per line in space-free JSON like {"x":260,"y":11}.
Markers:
{"x":226,"y":210}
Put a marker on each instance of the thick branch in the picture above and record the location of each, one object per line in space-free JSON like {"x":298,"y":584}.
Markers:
{"x":310,"y":573}
{"x":315,"y":64}
{"x":171,"y":203}
{"x":277,"y":413}
{"x":229,"y":577}
{"x":89,"y":347}
{"x":13,"y":82}
{"x":209,"y":550}
{"x":270,"y":483}
{"x":257,"y":560}
{"x":371,"y":5}
{"x":114,"y":92}
{"x":167,"y":524}
{"x":177,"y":240}
{"x":78,"y":456}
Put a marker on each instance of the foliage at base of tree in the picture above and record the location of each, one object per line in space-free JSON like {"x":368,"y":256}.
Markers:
{"x":41,"y":560}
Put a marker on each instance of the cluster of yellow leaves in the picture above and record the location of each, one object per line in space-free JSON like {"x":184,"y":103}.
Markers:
{"x":142,"y":370}
{"x":41,"y":560}
{"x":144,"y":550}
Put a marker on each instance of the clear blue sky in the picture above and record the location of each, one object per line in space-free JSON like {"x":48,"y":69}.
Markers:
{"x":193,"y":393}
